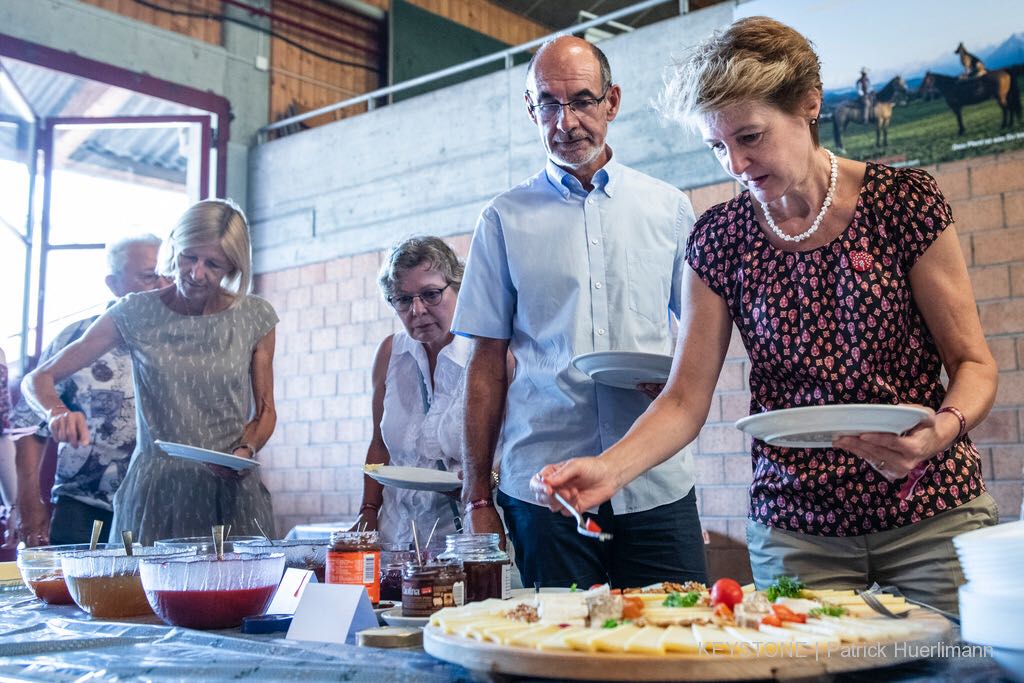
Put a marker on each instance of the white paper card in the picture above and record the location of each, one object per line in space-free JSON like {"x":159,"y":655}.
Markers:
{"x":286,"y":599}
{"x":332,"y":613}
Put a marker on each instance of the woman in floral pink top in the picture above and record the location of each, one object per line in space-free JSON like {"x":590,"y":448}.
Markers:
{"x":847,"y":284}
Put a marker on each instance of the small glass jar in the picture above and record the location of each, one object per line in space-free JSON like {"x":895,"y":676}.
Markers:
{"x":487,"y":566}
{"x":427,"y":588}
{"x":353,"y":558}
{"x":393,"y":557}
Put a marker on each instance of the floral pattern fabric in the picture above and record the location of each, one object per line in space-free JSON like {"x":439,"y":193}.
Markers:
{"x":836,"y":325}
{"x":104,"y":392}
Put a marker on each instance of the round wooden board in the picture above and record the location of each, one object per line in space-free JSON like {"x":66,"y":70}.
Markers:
{"x":603,"y":666}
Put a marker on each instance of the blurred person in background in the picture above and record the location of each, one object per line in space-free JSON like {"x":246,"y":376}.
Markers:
{"x":86,"y":476}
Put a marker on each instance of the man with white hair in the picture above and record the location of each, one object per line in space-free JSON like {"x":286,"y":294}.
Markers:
{"x":87,"y":476}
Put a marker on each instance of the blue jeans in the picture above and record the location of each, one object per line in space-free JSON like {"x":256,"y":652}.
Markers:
{"x":662,"y":544}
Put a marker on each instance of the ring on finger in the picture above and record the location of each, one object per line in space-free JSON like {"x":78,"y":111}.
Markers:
{"x":881,"y":464}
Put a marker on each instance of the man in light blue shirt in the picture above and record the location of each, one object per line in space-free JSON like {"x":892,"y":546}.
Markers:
{"x":585,"y":256}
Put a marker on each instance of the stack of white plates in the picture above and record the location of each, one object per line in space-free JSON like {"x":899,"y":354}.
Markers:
{"x":991,"y":603}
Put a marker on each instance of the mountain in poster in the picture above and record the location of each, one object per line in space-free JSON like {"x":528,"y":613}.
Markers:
{"x":996,"y":56}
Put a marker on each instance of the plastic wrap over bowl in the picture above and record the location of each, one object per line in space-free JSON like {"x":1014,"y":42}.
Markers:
{"x":299,"y":553}
{"x":203,"y":592}
{"x":203,"y":545}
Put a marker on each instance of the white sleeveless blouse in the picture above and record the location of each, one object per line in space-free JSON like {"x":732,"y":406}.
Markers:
{"x":422,"y":427}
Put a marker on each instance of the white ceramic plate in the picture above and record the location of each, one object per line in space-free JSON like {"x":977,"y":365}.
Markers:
{"x":180,"y":450}
{"x":817,"y":426}
{"x":415,"y":478}
{"x":624,"y":369}
{"x":393,"y":617}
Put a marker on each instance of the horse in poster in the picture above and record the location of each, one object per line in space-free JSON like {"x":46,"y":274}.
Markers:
{"x":1000,"y":85}
{"x":881,"y":113}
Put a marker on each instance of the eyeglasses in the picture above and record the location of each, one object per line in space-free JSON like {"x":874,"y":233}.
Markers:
{"x":584,"y":106}
{"x":429,"y":297}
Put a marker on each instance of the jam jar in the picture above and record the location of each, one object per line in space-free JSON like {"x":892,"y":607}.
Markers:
{"x":353,"y":558}
{"x":392,"y":564}
{"x":427,"y":588}
{"x":487,"y":566}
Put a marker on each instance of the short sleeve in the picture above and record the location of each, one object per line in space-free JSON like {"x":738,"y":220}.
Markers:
{"x":264,"y":317}
{"x":684,"y":224}
{"x":126,"y":313}
{"x":487,"y":298}
{"x":924,"y":212}
{"x":706,"y":254}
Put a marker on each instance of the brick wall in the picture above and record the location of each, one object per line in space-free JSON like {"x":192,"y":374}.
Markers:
{"x":332,"y":319}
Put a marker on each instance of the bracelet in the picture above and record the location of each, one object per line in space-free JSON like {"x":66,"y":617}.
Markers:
{"x":243,"y":444}
{"x":372,"y":506}
{"x":960,"y":416}
{"x":479,"y":503}
{"x":52,"y":415}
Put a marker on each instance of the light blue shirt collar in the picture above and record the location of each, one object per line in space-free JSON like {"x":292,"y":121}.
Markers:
{"x":566,"y":183}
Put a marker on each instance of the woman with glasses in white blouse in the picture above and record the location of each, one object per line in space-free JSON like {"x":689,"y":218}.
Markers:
{"x":418,"y":378}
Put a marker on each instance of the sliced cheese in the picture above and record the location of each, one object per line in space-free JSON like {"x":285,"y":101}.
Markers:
{"x":614,"y":639}
{"x":561,"y":639}
{"x":680,"y":639}
{"x":531,"y":636}
{"x":648,"y":641}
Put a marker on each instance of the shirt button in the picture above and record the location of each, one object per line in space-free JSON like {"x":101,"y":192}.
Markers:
{"x":600,"y":331}
{"x":597,"y":285}
{"x":593,"y":241}
{"x":590,"y":201}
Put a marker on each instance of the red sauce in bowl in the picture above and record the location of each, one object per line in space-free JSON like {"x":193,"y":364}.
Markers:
{"x":210,"y":609}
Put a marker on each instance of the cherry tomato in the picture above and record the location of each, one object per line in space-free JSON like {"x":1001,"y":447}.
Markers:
{"x":632,"y":607}
{"x":726,"y":592}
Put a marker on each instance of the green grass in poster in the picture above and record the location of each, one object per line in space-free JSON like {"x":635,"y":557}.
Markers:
{"x":925,"y":132}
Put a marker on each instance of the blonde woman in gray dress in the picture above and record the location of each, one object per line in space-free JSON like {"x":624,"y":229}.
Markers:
{"x":202,"y":357}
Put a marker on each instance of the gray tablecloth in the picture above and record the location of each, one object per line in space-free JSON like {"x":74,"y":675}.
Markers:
{"x":42,"y":643}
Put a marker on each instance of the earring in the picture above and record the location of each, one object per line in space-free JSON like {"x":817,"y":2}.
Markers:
{"x":814,"y":121}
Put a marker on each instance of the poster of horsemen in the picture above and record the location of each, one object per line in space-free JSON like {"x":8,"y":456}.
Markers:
{"x":913,"y":82}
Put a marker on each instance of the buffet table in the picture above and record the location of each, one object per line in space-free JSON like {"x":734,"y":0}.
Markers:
{"x":51,"y":643}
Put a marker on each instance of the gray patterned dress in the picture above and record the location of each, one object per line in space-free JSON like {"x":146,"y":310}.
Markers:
{"x":193,"y":386}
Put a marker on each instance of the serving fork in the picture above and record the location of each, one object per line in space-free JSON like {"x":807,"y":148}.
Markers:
{"x":877,"y":605}
{"x":581,"y":527}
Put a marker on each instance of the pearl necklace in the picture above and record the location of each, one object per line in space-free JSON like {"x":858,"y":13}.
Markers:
{"x":821,"y":214}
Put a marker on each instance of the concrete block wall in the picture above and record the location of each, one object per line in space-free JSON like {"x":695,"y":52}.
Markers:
{"x":332,"y":318}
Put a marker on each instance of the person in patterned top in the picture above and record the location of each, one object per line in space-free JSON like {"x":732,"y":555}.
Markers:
{"x":847,"y":285}
{"x":86,"y":477}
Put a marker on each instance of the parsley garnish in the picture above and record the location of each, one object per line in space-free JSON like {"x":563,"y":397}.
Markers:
{"x":610,"y":623}
{"x":784,"y":587}
{"x":572,"y":588}
{"x":681,"y":599}
{"x":827,"y":610}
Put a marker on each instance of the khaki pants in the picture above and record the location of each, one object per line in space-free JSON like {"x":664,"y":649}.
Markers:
{"x":919,"y":558}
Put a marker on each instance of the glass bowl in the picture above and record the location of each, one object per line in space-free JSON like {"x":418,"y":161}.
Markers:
{"x":40,"y":569}
{"x":105,"y":583}
{"x":202,"y":592}
{"x":299,"y":553}
{"x":203,"y":545}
